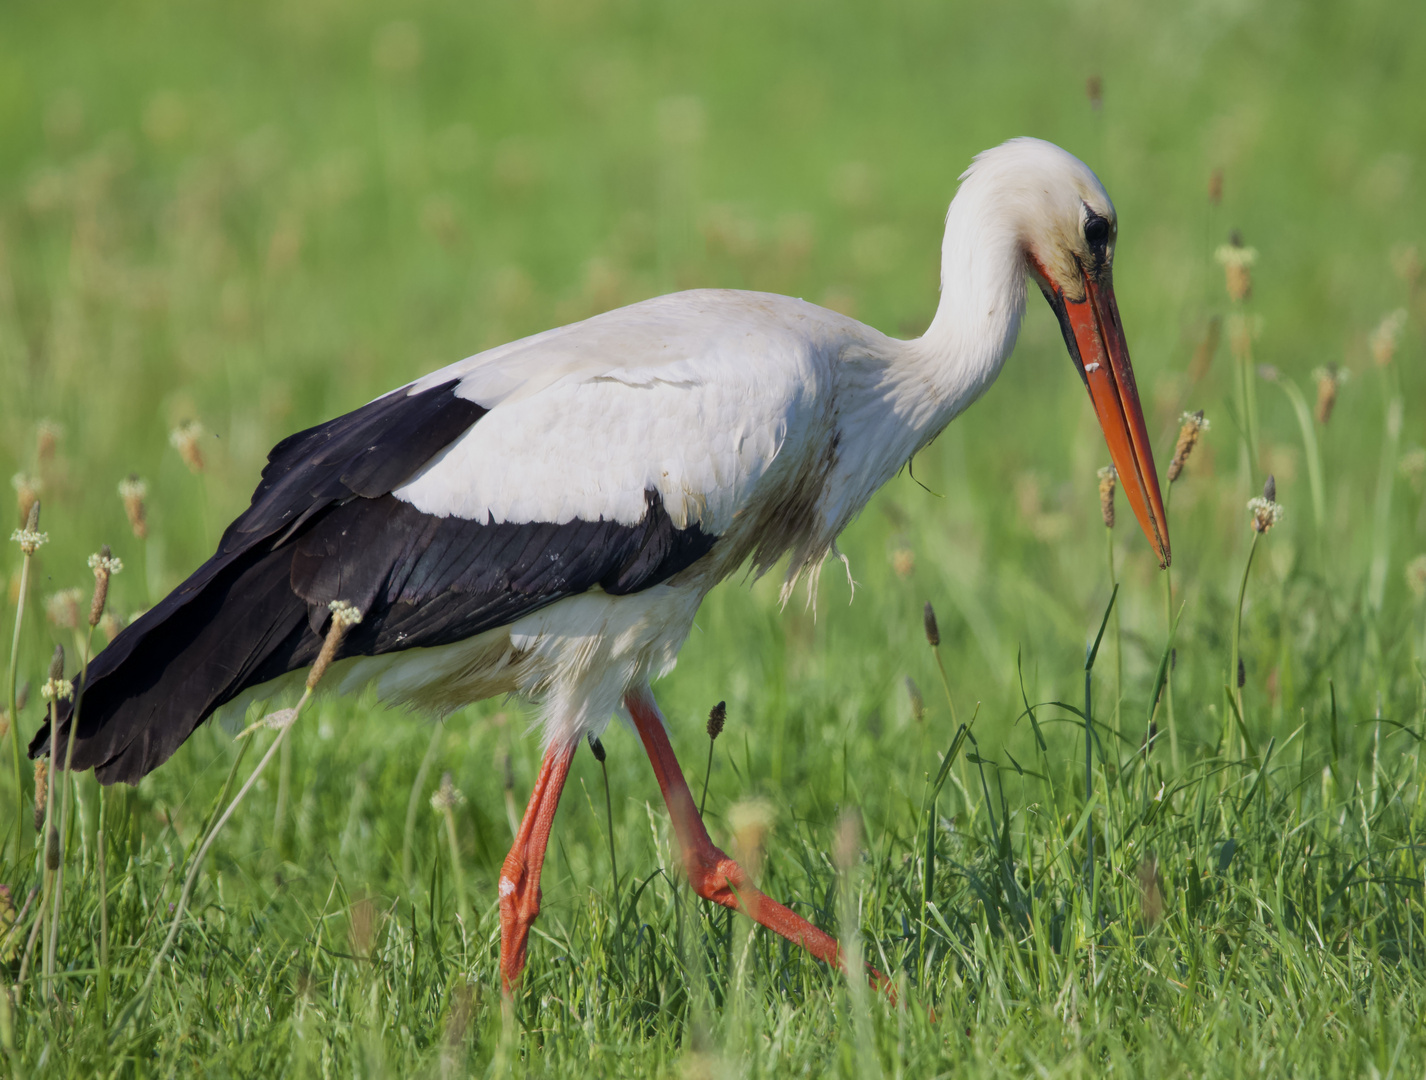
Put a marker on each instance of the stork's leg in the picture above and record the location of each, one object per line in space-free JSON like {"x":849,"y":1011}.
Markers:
{"x":712,"y":874}
{"x":520,"y":876}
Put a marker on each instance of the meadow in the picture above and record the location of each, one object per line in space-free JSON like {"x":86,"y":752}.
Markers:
{"x":1196,"y":850}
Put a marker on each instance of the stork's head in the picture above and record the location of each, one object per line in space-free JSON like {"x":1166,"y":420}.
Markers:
{"x":1065,"y":226}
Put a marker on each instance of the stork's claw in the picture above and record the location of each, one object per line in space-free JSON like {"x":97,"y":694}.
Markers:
{"x":712,"y":874}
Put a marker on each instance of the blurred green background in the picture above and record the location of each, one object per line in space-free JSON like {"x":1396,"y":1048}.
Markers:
{"x":258,"y":216}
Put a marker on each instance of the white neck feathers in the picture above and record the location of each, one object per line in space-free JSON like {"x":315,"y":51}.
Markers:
{"x":982,"y":302}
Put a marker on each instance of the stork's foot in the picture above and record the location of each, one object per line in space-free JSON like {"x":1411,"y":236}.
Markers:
{"x":714,"y":876}
{"x":519,"y":904}
{"x":520,"y":876}
{"x":711,"y":873}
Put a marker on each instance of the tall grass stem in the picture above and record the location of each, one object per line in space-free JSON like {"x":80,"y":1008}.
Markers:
{"x":945,"y":682}
{"x":1091,"y":652}
{"x":68,"y":781}
{"x":1236,"y":655}
{"x":1381,"y":525}
{"x":1118,"y":636}
{"x":31,"y":525}
{"x":853,"y":965}
{"x":1168,"y":674}
{"x":51,"y":847}
{"x":284,"y":783}
{"x":1307,"y":426}
{"x":707,"y":776}
{"x":101,"y":862}
{"x":599,"y":754}
{"x":457,"y":870}
{"x":408,"y":835}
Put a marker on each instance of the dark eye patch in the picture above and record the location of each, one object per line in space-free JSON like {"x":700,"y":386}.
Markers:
{"x":1096,"y":231}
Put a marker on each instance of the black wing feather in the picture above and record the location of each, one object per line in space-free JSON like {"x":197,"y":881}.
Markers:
{"x":324,"y":526}
{"x":368,"y":452}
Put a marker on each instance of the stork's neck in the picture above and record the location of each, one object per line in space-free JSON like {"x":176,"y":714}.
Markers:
{"x":978,"y":319}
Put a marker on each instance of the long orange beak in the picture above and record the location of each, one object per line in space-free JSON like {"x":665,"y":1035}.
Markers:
{"x":1095,"y":338}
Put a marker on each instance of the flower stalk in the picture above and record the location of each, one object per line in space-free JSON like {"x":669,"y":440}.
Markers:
{"x":717,"y":717}
{"x":1305,"y":417}
{"x":1192,"y":426}
{"x":1237,"y":262}
{"x":30,"y":540}
{"x":408,"y":835}
{"x":133,"y":490}
{"x":1108,"y":479}
{"x":1266,"y":512}
{"x":444,"y":802}
{"x":933,"y":638}
{"x":56,"y":689}
{"x":597,"y":749}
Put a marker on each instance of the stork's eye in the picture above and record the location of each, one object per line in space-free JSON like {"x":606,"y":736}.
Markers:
{"x":1096,"y":231}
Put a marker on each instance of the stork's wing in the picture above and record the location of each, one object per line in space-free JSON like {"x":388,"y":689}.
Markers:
{"x":691,"y":396}
{"x":444,"y":510}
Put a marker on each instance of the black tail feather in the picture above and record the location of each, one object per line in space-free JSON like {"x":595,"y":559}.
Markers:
{"x":168,"y":671}
{"x":236,"y":621}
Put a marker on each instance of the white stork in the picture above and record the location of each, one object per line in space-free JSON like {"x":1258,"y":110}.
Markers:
{"x":545,"y":517}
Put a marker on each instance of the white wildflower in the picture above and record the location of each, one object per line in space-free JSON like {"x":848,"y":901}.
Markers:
{"x":57,"y":690}
{"x":30,"y":540}
{"x":105,"y":564}
{"x":344,"y":614}
{"x":1266,"y":513}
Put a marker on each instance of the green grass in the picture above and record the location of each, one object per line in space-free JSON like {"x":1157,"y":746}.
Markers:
{"x":258,"y":216}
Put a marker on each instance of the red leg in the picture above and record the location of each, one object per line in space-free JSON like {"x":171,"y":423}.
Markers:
{"x":520,"y":876}
{"x":712,"y":874}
